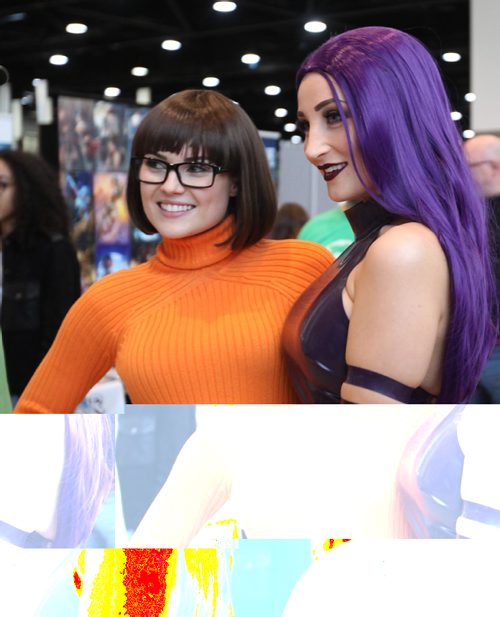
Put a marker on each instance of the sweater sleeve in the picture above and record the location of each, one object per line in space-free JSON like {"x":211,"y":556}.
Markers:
{"x":197,"y":487}
{"x":84,"y":349}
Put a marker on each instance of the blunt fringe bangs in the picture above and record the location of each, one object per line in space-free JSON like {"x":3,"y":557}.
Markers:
{"x":413,"y":153}
{"x":220,"y":131}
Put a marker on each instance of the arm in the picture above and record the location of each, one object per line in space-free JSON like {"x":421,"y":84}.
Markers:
{"x":84,"y":349}
{"x":400,"y":306}
{"x":196,"y":488}
{"x":60,"y":289}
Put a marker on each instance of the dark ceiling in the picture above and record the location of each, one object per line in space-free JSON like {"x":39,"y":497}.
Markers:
{"x":125,"y":33}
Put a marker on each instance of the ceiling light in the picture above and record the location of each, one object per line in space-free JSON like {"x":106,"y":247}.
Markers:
{"x":470,"y":97}
{"x":171,"y":45}
{"x":224,"y":7}
{"x":143,"y":96}
{"x":451,"y":56}
{"x":139,"y":71}
{"x":272,"y":90}
{"x":76,"y":28}
{"x":290,"y":127}
{"x":111,"y":92}
{"x":295,"y":139}
{"x":281,"y":112}
{"x":58,"y":59}
{"x":315,"y":26}
{"x":15,"y":17}
{"x":456,"y":115}
{"x":250,"y":58}
{"x":468,"y":133}
{"x":211,"y":82}
{"x":27,"y":99}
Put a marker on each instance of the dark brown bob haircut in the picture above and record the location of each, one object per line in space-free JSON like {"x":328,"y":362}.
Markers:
{"x":219,"y":131}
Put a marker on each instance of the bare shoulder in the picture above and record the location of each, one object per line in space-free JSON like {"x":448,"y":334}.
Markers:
{"x":407,"y":248}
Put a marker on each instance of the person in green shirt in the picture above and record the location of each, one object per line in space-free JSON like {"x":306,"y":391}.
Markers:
{"x":5,"y":402}
{"x":331,"y":229}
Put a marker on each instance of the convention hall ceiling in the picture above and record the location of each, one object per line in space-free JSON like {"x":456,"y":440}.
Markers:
{"x":123,"y":34}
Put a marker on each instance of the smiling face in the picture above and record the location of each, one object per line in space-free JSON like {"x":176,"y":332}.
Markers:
{"x":325,"y":139}
{"x":176,"y":211}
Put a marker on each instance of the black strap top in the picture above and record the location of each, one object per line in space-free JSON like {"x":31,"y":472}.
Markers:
{"x":315,"y":333}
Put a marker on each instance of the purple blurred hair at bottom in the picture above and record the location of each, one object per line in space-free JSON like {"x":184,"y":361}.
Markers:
{"x":87,"y":478}
{"x":413,"y":153}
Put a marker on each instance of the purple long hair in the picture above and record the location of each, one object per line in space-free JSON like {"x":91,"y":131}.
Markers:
{"x":87,"y":478}
{"x":413,"y":153}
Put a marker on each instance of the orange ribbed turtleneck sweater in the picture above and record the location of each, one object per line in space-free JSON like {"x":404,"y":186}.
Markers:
{"x":197,"y":323}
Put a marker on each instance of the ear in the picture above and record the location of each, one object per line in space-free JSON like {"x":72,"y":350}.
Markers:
{"x":233,"y":188}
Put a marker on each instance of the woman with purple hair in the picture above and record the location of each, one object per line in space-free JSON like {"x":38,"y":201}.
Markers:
{"x":404,"y":314}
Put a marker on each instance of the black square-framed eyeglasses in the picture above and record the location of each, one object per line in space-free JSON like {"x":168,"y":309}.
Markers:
{"x":194,"y":174}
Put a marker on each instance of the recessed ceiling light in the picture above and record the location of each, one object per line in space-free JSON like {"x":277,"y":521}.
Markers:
{"x":139,"y":71}
{"x":171,"y":45}
{"x":468,"y":133}
{"x":76,"y":28}
{"x":315,"y":26}
{"x":250,"y":58}
{"x":224,"y":7}
{"x":451,"y":56}
{"x":27,"y":99}
{"x":58,"y":59}
{"x":272,"y":90}
{"x":295,"y":139}
{"x":456,"y":115}
{"x":470,"y":97}
{"x":211,"y":82}
{"x":281,"y":112}
{"x":290,"y":127}
{"x":111,"y":92}
{"x":15,"y":17}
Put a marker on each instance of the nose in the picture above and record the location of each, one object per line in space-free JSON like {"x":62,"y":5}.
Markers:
{"x":315,"y":145}
{"x":172,"y":183}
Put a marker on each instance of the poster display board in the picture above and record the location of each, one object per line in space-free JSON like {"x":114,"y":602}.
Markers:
{"x":95,"y":140}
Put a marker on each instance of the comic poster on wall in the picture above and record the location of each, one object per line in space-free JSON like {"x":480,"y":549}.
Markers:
{"x":78,"y":141}
{"x":109,"y":119}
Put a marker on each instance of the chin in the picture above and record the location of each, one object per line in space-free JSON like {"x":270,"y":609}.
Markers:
{"x":351,"y":196}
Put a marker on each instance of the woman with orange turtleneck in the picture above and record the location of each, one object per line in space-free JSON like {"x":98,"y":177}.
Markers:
{"x":200,"y":321}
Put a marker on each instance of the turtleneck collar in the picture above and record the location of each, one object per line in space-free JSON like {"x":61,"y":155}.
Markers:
{"x":198,"y":251}
{"x":365,"y":216}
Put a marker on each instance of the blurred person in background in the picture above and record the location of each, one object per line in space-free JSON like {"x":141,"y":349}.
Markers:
{"x":40,"y":271}
{"x":289,"y":221}
{"x":331,"y":229}
{"x":483,"y":155}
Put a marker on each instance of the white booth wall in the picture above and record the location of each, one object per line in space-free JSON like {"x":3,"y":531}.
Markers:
{"x":299,"y":181}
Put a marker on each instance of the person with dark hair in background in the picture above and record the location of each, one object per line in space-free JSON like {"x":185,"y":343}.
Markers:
{"x":483,"y":155}
{"x":202,"y":319}
{"x":405,"y":313}
{"x":289,"y":221}
{"x":40,"y":270}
